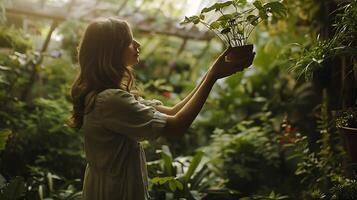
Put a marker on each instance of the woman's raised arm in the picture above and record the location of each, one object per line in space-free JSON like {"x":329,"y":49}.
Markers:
{"x":178,"y":124}
{"x":173,"y":110}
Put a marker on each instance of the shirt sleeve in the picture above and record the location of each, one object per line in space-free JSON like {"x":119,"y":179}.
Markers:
{"x":153,"y":102}
{"x":123,"y":114}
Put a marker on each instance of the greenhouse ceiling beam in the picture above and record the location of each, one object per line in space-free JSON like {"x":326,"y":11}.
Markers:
{"x":141,"y":27}
{"x":174,"y":32}
{"x":42,"y":14}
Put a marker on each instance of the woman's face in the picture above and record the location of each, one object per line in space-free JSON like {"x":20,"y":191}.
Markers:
{"x":131,"y":53}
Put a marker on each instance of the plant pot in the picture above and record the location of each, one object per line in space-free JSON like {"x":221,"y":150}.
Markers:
{"x":237,"y":53}
{"x":349,"y":136}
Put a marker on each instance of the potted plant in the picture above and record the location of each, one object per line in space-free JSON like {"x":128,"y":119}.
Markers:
{"x":234,"y":21}
{"x":346,"y":121}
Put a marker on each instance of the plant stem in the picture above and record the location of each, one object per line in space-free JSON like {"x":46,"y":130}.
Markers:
{"x":227,"y":35}
{"x":240,"y":39}
{"x":236,"y":39}
{"x":209,"y":28}
{"x":248,"y":11}
{"x":228,"y":39}
{"x":252,"y":30}
{"x":220,"y":10}
{"x":233,"y":33}
{"x":236,"y":8}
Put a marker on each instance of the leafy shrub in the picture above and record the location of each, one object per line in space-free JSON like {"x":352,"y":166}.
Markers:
{"x":318,"y":168}
{"x":346,"y":189}
{"x":15,"y":39}
{"x":342,"y":43}
{"x":13,"y":190}
{"x":182,"y":177}
{"x":249,"y":158}
{"x":42,"y":155}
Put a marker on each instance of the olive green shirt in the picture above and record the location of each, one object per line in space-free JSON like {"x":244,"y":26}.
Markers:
{"x":116,"y":164}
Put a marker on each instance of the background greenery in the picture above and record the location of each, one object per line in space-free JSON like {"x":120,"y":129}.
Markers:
{"x":266,"y":133}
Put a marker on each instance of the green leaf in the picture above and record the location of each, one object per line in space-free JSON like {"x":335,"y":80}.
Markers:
{"x":4,"y":81}
{"x":162,"y":180}
{"x":258,"y":5}
{"x":4,"y":68}
{"x":225,"y":31}
{"x":179,"y":185}
{"x":276,"y":8}
{"x":224,"y":4}
{"x":195,"y":195}
{"x":197,"y":179}
{"x":225,"y":17}
{"x":216,"y":6}
{"x":252,"y":19}
{"x":240,"y":2}
{"x":172,"y":185}
{"x":208,"y":9}
{"x":14,"y":190}
{"x":4,"y":135}
{"x":215,"y":25}
{"x":166,"y":179}
{"x":193,"y":165}
{"x":263,"y":14}
{"x":259,"y":99}
{"x":185,"y":21}
{"x":155,"y":180}
{"x":50,"y":181}
{"x":167,"y":158}
{"x":193,"y":19}
{"x":167,"y":163}
{"x":166,"y":150}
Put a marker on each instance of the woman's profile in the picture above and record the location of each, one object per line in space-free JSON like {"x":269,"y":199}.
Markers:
{"x":114,"y":119}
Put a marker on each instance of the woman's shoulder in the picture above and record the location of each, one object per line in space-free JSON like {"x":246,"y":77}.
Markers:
{"x":111,"y":92}
{"x":114,"y":95}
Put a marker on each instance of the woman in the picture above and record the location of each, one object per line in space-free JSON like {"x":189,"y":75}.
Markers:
{"x":114,"y":119}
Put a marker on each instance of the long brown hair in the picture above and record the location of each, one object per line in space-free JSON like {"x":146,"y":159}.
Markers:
{"x":101,"y":65}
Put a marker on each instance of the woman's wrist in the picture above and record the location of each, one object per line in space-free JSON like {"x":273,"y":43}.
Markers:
{"x":211,"y":76}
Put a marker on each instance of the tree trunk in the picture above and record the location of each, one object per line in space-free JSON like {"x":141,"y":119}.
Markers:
{"x":35,"y":65}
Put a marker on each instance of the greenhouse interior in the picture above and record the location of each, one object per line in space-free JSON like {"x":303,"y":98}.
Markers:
{"x":229,"y":100}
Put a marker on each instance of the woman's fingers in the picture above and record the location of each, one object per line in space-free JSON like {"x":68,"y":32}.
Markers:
{"x":224,"y":53}
{"x":221,"y":68}
{"x":248,"y":61}
{"x":243,"y":63}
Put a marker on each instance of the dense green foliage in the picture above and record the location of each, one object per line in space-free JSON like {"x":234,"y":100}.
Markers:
{"x":263,"y":134}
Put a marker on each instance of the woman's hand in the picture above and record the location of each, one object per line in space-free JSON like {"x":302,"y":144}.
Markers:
{"x":221,"y":68}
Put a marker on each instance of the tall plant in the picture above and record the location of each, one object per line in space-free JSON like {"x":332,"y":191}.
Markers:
{"x":342,"y":43}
